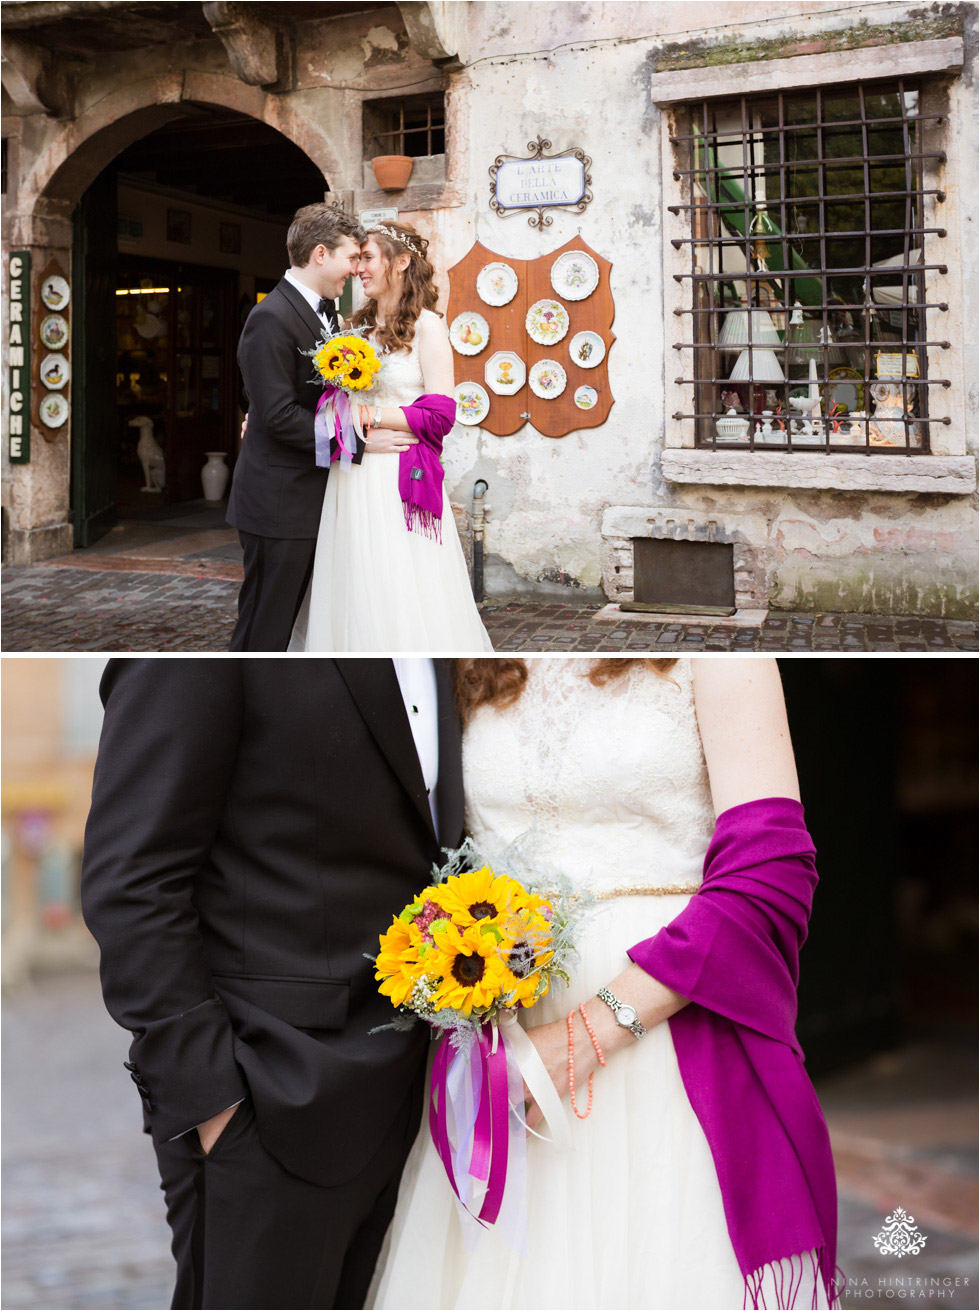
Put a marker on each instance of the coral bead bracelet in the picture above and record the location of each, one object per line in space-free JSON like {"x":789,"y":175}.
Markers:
{"x":582,"y":1115}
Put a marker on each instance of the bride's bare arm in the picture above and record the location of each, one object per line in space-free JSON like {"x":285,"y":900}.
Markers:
{"x":742,"y":720}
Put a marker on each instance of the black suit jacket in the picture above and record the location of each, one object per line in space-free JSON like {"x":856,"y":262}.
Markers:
{"x":277,"y":488}
{"x":255,"y":825}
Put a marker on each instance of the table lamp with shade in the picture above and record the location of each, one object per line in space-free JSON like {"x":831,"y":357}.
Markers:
{"x":734,"y":333}
{"x":757,"y":366}
{"x":801,"y":338}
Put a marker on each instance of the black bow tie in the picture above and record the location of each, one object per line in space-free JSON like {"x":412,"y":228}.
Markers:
{"x":325,"y":307}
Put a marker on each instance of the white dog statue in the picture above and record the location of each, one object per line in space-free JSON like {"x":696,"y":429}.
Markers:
{"x":150,"y":453}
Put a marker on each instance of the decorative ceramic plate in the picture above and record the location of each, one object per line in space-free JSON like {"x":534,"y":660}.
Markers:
{"x":575,"y":275}
{"x":54,"y":332}
{"x":505,"y":373}
{"x":586,"y":397}
{"x":55,"y":291}
{"x":848,"y":388}
{"x":54,"y":372}
{"x":472,"y":403}
{"x":469,"y":333}
{"x":496,"y":284}
{"x":53,"y":410}
{"x":547,"y":379}
{"x":546,"y":322}
{"x":587,"y":349}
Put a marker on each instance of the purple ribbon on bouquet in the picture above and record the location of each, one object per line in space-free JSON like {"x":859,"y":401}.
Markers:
{"x":471,"y":1084}
{"x":334,"y":428}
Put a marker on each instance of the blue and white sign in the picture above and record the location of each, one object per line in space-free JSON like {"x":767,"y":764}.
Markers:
{"x":532,"y":183}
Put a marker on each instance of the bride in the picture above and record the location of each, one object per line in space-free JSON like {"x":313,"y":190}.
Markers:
{"x":389,"y":572}
{"x":701,"y":1176}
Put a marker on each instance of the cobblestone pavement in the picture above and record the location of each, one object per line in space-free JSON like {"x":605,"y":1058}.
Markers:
{"x":84,"y":1220}
{"x":105,"y":604}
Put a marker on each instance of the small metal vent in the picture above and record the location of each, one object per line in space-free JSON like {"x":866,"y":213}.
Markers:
{"x":683,"y":577}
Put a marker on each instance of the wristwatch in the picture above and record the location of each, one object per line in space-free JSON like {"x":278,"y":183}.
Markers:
{"x":625,"y":1015}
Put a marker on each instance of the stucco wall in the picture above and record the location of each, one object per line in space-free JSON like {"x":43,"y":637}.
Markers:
{"x":830,"y":550}
{"x":580,"y":75}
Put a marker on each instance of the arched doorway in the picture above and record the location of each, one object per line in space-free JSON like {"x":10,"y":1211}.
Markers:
{"x":174,"y":240}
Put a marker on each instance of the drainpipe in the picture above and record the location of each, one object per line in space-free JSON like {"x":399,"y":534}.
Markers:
{"x":480,"y":488}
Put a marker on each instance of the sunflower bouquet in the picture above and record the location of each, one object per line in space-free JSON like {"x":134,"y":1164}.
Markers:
{"x":467,"y":954}
{"x":348,"y":364}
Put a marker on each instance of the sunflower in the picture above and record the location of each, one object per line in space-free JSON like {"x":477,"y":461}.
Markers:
{"x":480,"y":895}
{"x":398,"y":961}
{"x":328,"y":362}
{"x":528,"y":941}
{"x":469,"y":966}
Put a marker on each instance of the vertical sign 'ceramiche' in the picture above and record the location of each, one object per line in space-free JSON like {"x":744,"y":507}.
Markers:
{"x":18,"y":346}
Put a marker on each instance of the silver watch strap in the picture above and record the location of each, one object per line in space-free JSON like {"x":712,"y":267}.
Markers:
{"x":616,"y":1006}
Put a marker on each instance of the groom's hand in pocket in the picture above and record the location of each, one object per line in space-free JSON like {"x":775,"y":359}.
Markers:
{"x":211,"y":1130}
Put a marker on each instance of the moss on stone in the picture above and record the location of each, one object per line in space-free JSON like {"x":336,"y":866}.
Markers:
{"x":924,"y":25}
{"x":878,"y":585}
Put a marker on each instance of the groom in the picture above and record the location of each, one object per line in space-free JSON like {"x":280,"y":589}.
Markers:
{"x":277,"y":491}
{"x":255,"y":825}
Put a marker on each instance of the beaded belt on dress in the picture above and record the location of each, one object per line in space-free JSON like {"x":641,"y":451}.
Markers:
{"x":608,"y":894}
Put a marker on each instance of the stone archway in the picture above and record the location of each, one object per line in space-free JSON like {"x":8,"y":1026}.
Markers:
{"x":70,"y":162}
{"x":39,"y":501}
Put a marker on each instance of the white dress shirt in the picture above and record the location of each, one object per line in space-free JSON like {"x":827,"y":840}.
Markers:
{"x":311,"y":298}
{"x":417,"y":680}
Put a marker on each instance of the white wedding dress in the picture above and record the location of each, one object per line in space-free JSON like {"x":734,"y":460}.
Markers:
{"x":375,"y":585}
{"x":612,"y":781}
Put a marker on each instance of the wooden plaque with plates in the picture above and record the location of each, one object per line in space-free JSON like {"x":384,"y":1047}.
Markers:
{"x":544,"y":328}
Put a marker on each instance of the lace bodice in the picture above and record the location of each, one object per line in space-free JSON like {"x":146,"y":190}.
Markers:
{"x":400,"y":381}
{"x":611,"y":779}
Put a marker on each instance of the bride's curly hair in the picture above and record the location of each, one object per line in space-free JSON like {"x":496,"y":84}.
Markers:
{"x":500,"y":682}
{"x":418,"y":292}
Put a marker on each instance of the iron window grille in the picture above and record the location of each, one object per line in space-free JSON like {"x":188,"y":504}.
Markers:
{"x":414,"y":126}
{"x":811,"y":214}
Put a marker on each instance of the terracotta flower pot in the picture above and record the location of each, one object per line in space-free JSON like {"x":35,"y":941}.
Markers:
{"x":392,"y":172}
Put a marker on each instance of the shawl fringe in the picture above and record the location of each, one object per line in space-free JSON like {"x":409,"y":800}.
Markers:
{"x":785,"y":1277}
{"x":420,"y":520}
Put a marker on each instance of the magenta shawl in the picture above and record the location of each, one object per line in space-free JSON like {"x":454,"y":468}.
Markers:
{"x":420,"y":472}
{"x":733,"y":952}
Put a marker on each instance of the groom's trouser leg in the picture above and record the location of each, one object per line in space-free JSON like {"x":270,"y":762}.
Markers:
{"x":277,"y":574}
{"x":249,"y":1234}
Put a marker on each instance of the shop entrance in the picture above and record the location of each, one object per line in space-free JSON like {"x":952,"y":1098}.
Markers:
{"x":174,"y":242}
{"x":175,"y":375}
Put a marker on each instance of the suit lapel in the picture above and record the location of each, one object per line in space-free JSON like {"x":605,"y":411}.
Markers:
{"x":449,"y":789}
{"x":374,"y":686}
{"x":302,"y":307}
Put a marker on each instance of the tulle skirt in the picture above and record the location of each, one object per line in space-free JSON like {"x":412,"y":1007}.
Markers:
{"x":631,"y":1216}
{"x":378,"y":587}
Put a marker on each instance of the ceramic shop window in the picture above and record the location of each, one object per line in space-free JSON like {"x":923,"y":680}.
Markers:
{"x":412,"y":126}
{"x":811,"y":314}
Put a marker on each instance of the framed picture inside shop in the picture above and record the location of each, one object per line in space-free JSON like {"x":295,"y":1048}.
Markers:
{"x":531,"y":339}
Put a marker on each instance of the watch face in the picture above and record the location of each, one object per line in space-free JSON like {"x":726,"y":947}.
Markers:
{"x":626,"y":1016}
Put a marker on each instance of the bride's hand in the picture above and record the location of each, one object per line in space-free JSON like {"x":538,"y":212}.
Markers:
{"x":551,"y":1042}
{"x":386,"y":440}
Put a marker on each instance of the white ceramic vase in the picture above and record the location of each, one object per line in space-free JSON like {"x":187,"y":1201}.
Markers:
{"x":214,"y":476}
